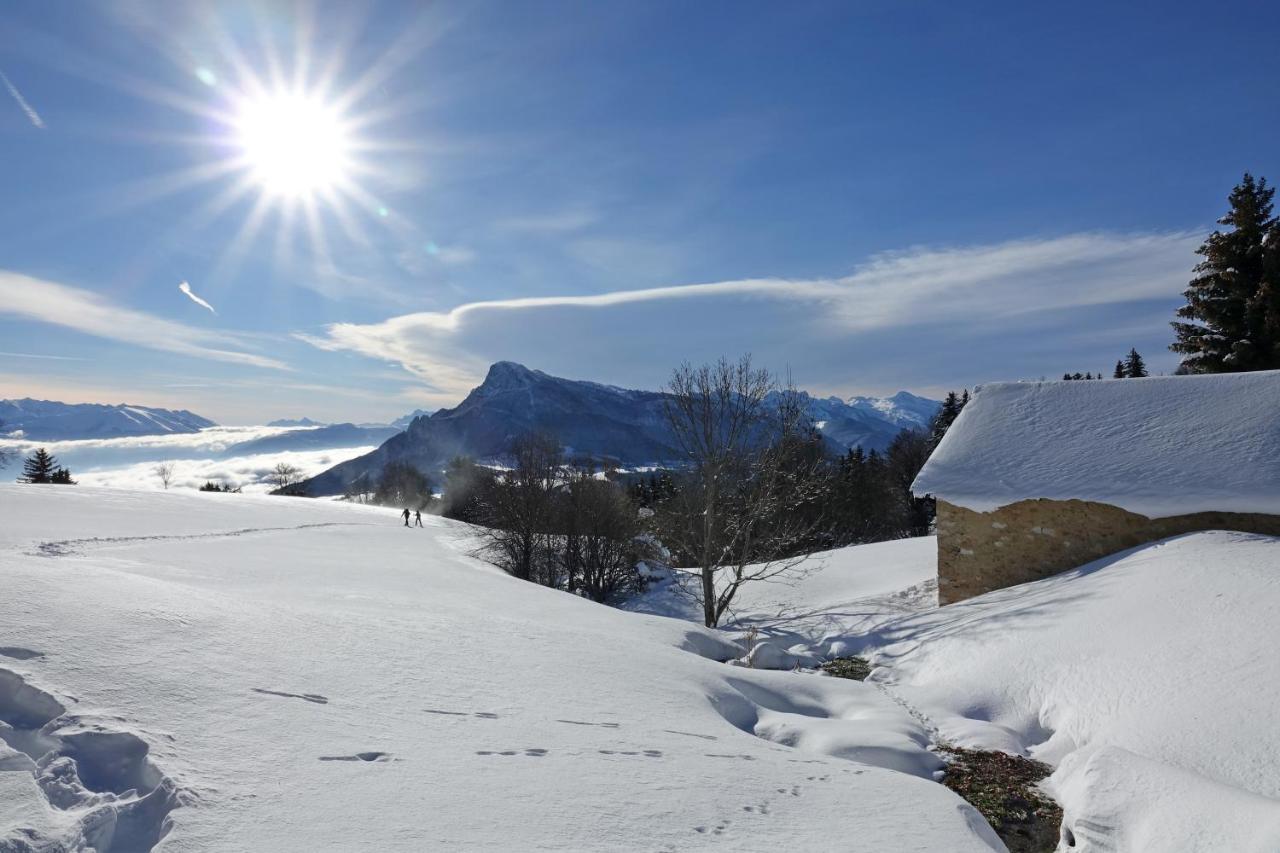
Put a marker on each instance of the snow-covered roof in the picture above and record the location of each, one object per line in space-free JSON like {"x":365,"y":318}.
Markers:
{"x":1158,"y":446}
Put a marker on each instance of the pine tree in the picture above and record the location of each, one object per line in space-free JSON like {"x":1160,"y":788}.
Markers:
{"x":39,"y":467}
{"x":1119,"y":374}
{"x":62,"y":476}
{"x":943,"y":419}
{"x":1134,"y":366}
{"x":1234,"y":299}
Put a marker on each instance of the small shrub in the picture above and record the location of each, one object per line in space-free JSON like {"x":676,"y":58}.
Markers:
{"x":852,"y":666}
{"x":1003,"y":788}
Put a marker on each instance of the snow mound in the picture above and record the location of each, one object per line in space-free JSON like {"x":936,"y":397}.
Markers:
{"x":1160,"y":446}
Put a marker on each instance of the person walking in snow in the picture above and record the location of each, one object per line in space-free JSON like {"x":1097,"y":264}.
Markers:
{"x":406,"y":516}
{"x":417,"y":518}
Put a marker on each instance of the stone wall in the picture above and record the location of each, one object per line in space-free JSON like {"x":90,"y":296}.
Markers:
{"x":1029,"y":540}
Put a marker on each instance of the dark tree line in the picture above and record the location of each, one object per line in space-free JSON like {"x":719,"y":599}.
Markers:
{"x":1130,"y":367}
{"x":400,"y":485}
{"x":550,"y":522}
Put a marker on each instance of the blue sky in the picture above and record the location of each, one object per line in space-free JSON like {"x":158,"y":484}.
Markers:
{"x":874,"y":195}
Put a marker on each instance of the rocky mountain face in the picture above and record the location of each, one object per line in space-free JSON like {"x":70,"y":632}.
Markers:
{"x":47,"y":420}
{"x":404,"y":420}
{"x":590,"y":419}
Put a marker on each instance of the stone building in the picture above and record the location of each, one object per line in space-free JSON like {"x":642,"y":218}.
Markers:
{"x":1035,"y":478}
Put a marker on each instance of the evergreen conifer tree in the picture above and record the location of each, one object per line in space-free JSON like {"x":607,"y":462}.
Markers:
{"x":39,"y":467}
{"x":1119,"y":374}
{"x":1233,"y":302}
{"x":1134,"y":366}
{"x":63,"y":477}
{"x":942,"y":421}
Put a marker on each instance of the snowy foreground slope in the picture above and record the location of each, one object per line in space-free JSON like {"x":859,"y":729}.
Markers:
{"x":283,"y":675}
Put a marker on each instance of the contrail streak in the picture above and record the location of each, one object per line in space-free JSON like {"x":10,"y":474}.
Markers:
{"x":186,"y":288}
{"x":22,"y":102}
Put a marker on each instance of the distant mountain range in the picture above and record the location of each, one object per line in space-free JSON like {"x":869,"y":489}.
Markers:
{"x":595,"y":420}
{"x":46,"y":420}
{"x":399,"y":423}
{"x":299,"y":422}
{"x":316,"y":438}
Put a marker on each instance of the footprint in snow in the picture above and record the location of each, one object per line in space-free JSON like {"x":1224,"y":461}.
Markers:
{"x":359,"y":756}
{"x":309,"y":697}
{"x":19,"y":653}
{"x":690,"y":734}
{"x":484,"y":715}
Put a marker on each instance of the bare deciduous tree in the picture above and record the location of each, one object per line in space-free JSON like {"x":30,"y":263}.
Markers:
{"x":284,"y":475}
{"x":519,"y":511}
{"x":600,"y":536}
{"x":739,"y":447}
{"x":165,"y":472}
{"x":7,"y":454}
{"x":361,"y":489}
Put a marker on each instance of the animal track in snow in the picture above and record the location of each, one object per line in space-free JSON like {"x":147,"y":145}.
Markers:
{"x":123,"y":800}
{"x":744,"y":757}
{"x":631,"y":753}
{"x":309,"y":697}
{"x":584,"y":723}
{"x":532,"y":752}
{"x":718,"y":829}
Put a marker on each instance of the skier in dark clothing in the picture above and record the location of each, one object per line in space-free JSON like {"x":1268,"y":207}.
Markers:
{"x":406,"y":516}
{"x":417,"y":518}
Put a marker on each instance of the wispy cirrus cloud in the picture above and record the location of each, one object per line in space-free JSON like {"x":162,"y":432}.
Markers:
{"x":57,"y":304}
{"x":976,"y":292}
{"x":41,"y":356}
{"x":559,"y":222}
{"x":32,"y":115}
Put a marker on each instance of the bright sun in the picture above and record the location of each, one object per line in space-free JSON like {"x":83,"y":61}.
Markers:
{"x":294,"y":145}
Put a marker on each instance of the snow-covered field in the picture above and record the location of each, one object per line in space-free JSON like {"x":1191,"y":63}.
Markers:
{"x":285,"y":674}
{"x":306,"y":675}
{"x":129,"y":462}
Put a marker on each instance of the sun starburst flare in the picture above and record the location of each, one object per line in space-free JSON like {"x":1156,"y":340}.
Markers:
{"x":288,"y":138}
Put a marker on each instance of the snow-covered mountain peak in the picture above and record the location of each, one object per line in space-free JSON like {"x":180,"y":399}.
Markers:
{"x":48,"y":420}
{"x":902,"y":409}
